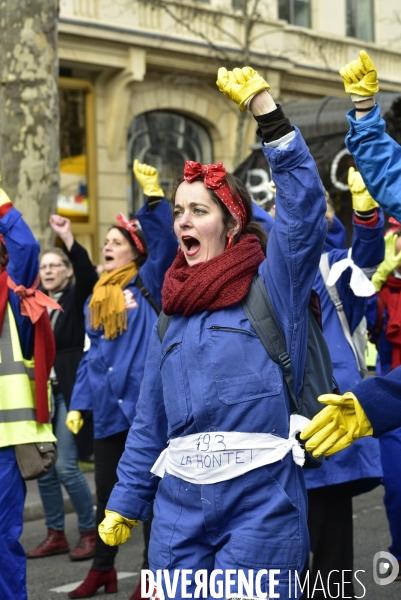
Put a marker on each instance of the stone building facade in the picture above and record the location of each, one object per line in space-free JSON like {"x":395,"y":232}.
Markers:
{"x":137,"y":80}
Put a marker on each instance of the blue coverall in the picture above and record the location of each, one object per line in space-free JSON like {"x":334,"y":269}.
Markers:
{"x":211,"y":371}
{"x":23,"y":266}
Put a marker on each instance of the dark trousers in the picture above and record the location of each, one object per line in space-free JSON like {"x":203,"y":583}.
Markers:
{"x":108,"y":452}
{"x":331,"y":534}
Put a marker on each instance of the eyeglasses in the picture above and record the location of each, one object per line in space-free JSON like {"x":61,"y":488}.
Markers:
{"x":51,"y":266}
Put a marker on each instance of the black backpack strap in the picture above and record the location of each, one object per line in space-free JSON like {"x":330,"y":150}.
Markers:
{"x":260,"y":312}
{"x":146,"y":294}
{"x":163,"y":324}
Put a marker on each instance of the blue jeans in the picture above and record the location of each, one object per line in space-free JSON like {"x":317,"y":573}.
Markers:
{"x":66,"y":472}
{"x":12,"y":555}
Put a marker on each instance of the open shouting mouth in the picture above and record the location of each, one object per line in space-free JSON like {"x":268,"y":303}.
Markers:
{"x":191,"y":244}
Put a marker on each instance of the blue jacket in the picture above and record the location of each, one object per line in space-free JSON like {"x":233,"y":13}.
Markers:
{"x":336,"y":236}
{"x":110,"y":374}
{"x":362,"y":459}
{"x":211,"y":370}
{"x":262,"y":217}
{"x":380,"y":398}
{"x":23,"y":267}
{"x":378,"y":158}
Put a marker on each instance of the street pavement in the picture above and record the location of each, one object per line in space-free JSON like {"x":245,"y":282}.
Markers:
{"x":48,"y":577}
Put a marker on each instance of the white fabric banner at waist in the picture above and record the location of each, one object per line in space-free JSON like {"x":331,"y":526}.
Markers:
{"x":215,"y":456}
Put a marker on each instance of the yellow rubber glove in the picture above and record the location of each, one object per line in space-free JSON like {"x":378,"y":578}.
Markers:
{"x":337,"y":426}
{"x":362,"y":201}
{"x":390,"y":262}
{"x":148,"y":178}
{"x":3,"y":197}
{"x":241,"y":85}
{"x":74,"y":421}
{"x":115,"y":529}
{"x":360,"y":77}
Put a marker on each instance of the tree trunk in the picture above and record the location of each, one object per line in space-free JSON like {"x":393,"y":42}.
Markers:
{"x":29,"y":109}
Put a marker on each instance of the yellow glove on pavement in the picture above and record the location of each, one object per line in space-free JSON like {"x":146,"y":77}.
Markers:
{"x":362,"y":201}
{"x":390,"y":262}
{"x":3,"y":197}
{"x":360,"y":77}
{"x":337,"y":426}
{"x":74,"y":421}
{"x":115,"y":529}
{"x":241,"y":85}
{"x":148,"y":178}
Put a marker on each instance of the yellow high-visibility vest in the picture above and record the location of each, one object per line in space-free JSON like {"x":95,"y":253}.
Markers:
{"x":18,"y":423}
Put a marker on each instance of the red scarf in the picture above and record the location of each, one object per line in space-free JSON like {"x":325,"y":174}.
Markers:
{"x":34,"y":306}
{"x":390,"y":297}
{"x":219,"y":282}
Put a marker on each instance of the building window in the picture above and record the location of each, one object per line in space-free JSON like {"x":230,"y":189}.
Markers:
{"x":296,"y":12}
{"x":165,"y":140}
{"x":77,"y":197}
{"x":360,"y":19}
{"x":237,"y":4}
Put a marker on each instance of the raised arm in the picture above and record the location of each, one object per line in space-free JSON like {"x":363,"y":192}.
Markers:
{"x":297,"y":238}
{"x":84,"y":271}
{"x":156,"y":221}
{"x":377,"y":155}
{"x":22,"y":248}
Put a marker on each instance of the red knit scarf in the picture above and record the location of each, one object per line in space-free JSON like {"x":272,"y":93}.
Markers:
{"x":390,"y":297}
{"x":44,"y":349}
{"x":219,"y":282}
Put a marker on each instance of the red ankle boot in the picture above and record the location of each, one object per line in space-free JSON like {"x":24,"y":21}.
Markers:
{"x":55,"y":543}
{"x":137,"y":594}
{"x":86,"y":546}
{"x":95,"y":580}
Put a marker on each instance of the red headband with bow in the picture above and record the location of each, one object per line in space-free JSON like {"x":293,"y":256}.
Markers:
{"x":132,"y":227}
{"x":214,"y":178}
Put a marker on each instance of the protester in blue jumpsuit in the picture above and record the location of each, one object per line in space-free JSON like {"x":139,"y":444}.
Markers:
{"x":384,"y":322}
{"x":19,"y":253}
{"x":357,"y":469}
{"x":373,"y":407}
{"x":110,"y":374}
{"x":212,"y":374}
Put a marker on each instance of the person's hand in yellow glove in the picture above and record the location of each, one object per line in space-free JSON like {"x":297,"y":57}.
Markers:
{"x":391,"y":261}
{"x":337,"y":426}
{"x":74,"y":421}
{"x":241,"y":85}
{"x":115,"y":529}
{"x":360,"y":78}
{"x":362,"y":201}
{"x":4,"y":199}
{"x":148,"y":179}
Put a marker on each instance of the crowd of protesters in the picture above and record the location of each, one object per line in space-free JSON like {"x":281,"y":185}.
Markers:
{"x":149,"y":390}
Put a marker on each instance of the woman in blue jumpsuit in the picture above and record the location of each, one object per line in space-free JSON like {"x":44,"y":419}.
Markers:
{"x":110,"y":374}
{"x":211,"y":372}
{"x":357,"y":469}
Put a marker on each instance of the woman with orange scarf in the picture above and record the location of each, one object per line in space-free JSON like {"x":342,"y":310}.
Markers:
{"x":120,"y":317}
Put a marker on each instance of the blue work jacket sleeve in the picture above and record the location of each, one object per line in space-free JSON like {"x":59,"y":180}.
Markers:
{"x":157,"y":226}
{"x":367,"y":254}
{"x":378,"y":158}
{"x":23,"y":267}
{"x":83,"y":399}
{"x":262,"y":217}
{"x":380,"y":398}
{"x":295,"y":243}
{"x":147,"y":438}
